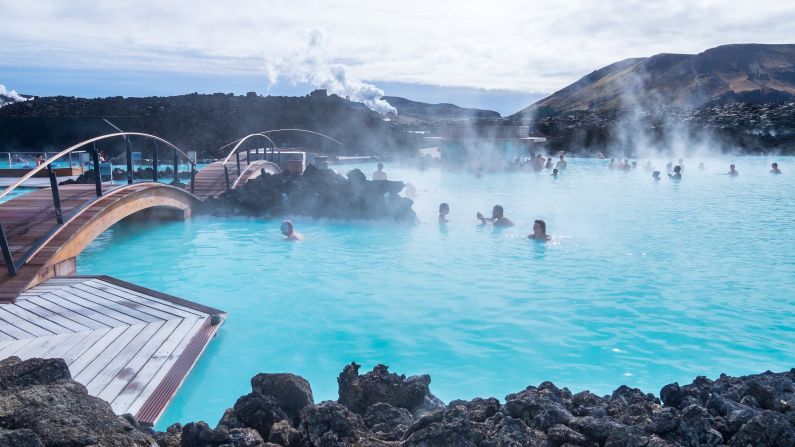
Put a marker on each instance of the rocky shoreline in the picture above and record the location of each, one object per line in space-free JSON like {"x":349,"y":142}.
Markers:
{"x":317,"y":193}
{"x":41,"y":406}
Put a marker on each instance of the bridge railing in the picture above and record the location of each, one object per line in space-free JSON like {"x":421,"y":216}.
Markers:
{"x":275,"y":152}
{"x":14,"y":266}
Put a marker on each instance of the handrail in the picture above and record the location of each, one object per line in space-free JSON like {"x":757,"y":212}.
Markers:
{"x":57,"y":156}
{"x":246,"y":169}
{"x":239,"y":142}
{"x":304,"y":130}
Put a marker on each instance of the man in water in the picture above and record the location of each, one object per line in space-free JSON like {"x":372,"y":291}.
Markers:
{"x":444,"y":210}
{"x":656,"y":176}
{"x":497,"y":218}
{"x":561,"y":163}
{"x":379,"y":174}
{"x":677,"y":175}
{"x":555,"y":173}
{"x":288,"y":230}
{"x":775,"y":169}
{"x":540,"y":231}
{"x":548,"y":165}
{"x":732,"y":172}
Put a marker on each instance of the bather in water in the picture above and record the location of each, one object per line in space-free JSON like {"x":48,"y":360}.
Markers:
{"x":732,"y":171}
{"x":774,"y":169}
{"x":677,"y":175}
{"x":497,"y":218}
{"x":656,"y":176}
{"x":539,"y":231}
{"x":444,"y":210}
{"x":288,"y":229}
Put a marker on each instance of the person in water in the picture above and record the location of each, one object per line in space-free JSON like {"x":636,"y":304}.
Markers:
{"x":497,"y":218}
{"x":774,"y":169}
{"x":677,"y":175}
{"x":444,"y":210}
{"x":656,"y":176}
{"x":539,"y":231}
{"x":549,"y":163}
{"x":379,"y":174}
{"x":555,"y":173}
{"x":732,"y":171}
{"x":562,"y":163}
{"x":40,"y":160}
{"x":288,"y":230}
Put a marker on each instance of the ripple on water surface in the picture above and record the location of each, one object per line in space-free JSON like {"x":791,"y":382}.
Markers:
{"x":644,"y":284}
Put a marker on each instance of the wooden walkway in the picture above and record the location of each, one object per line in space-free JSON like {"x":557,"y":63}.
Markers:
{"x":33,"y":233}
{"x":211,"y":180}
{"x":128,"y":345}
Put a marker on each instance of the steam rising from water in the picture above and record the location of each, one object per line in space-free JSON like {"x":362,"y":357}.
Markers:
{"x":9,"y":96}
{"x":310,"y":65}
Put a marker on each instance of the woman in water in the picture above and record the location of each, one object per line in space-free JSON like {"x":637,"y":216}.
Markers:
{"x":539,"y":231}
{"x":289,"y":231}
{"x":549,"y":163}
{"x":444,"y":210}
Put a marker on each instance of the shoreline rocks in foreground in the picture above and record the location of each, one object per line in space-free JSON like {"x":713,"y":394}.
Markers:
{"x":41,"y":406}
{"x":317,"y":193}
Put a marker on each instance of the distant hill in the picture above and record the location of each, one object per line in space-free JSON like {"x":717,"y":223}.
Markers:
{"x":443,"y":111}
{"x":748,"y":73}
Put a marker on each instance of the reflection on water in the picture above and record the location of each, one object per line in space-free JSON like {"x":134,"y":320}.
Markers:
{"x":644,"y":283}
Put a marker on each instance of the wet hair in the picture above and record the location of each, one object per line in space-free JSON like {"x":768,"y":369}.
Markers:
{"x":555,"y":171}
{"x":774,"y":165}
{"x":498,"y":210}
{"x":542,"y":224}
{"x":655,"y":174}
{"x":677,"y":168}
{"x":444,"y":207}
{"x":380,"y":166}
{"x":731,"y":166}
{"x":287,"y":227}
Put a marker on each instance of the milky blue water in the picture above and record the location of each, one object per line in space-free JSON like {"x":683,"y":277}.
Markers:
{"x":644,"y":284}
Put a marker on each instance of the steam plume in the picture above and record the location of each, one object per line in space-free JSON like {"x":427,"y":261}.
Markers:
{"x":9,"y":96}
{"x":310,"y":65}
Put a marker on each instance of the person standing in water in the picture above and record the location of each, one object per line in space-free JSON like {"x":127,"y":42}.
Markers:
{"x":656,"y":176}
{"x":677,"y":175}
{"x":561,"y":163}
{"x":774,"y":169}
{"x":379,"y":174}
{"x":539,"y":231}
{"x":497,"y":218}
{"x":732,"y":171}
{"x":444,"y":210}
{"x":288,"y":230}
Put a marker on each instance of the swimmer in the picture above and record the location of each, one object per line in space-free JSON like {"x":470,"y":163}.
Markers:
{"x":289,"y":231}
{"x":732,"y":171}
{"x":497,"y":218}
{"x":379,"y":174}
{"x":600,"y":156}
{"x":548,"y":165}
{"x":634,"y":165}
{"x":677,"y":175}
{"x":656,"y":176}
{"x":444,"y":210}
{"x":775,"y":169}
{"x":555,"y":173}
{"x":40,"y":160}
{"x":562,"y":163}
{"x":612,"y":164}
{"x":540,"y":231}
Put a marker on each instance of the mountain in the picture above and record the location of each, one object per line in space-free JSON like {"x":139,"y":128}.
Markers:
{"x":749,"y":73}
{"x":420,"y":110}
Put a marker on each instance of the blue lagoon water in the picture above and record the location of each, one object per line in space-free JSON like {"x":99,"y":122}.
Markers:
{"x":644,"y":284}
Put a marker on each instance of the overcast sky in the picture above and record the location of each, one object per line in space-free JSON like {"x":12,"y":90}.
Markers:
{"x":454,"y":50}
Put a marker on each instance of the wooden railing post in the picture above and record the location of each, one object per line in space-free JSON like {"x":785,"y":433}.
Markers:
{"x":193,"y":179}
{"x":226,"y":175}
{"x":12,"y":269}
{"x":237,"y":155}
{"x":97,"y":175}
{"x":56,"y":197}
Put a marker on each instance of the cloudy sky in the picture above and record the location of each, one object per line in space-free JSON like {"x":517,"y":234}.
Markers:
{"x":497,"y":54}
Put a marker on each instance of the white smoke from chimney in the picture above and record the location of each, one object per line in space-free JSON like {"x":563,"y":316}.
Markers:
{"x":310,"y":65}
{"x":9,"y":96}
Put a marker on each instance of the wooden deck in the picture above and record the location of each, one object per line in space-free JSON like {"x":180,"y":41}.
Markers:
{"x":33,"y":234}
{"x":128,"y":345}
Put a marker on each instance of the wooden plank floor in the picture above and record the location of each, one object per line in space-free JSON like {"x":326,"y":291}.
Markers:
{"x":211,"y":180}
{"x":128,"y":345}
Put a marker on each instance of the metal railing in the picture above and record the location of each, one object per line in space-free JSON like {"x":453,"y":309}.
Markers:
{"x":13,"y":267}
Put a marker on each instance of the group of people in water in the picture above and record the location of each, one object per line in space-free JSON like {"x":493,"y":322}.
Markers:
{"x":674,"y":172}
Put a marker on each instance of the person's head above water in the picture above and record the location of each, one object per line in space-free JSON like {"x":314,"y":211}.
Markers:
{"x":444,"y":208}
{"x":555,"y":172}
{"x":497,"y":212}
{"x":774,"y":166}
{"x":677,"y":169}
{"x":539,"y":226}
{"x":655,"y":175}
{"x":731,"y":167}
{"x":287,"y":228}
{"x":380,"y":166}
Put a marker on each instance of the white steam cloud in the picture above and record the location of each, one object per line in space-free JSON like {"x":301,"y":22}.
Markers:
{"x":310,"y":65}
{"x":9,"y":96}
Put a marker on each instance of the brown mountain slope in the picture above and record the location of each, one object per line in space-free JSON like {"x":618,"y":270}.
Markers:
{"x":754,"y":73}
